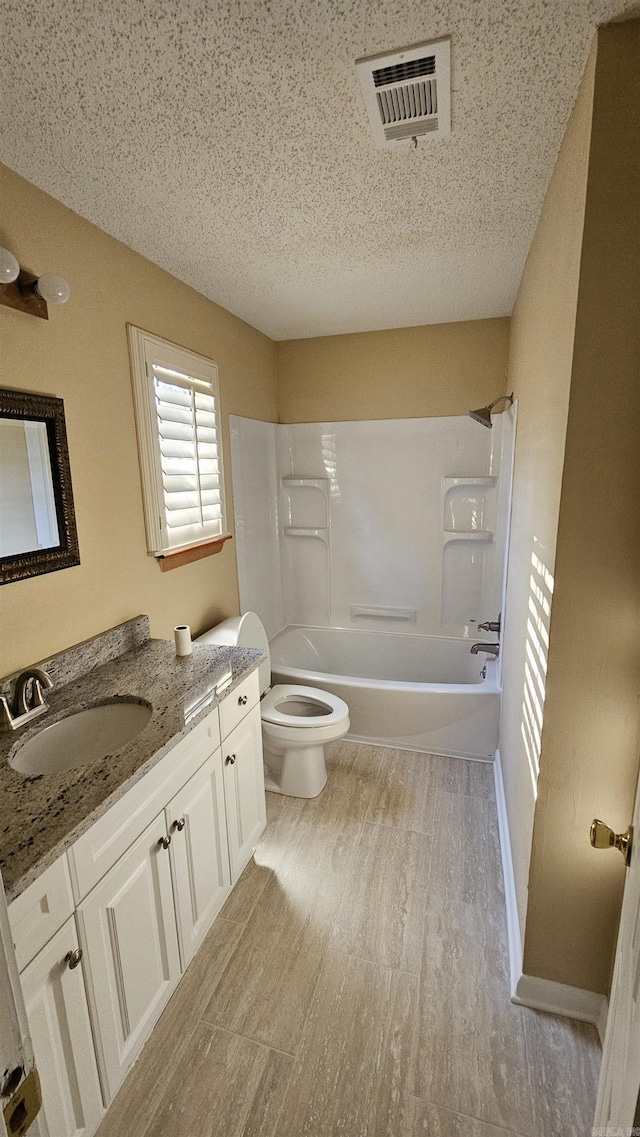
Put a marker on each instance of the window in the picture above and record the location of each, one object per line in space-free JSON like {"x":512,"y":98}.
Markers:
{"x":178,"y":425}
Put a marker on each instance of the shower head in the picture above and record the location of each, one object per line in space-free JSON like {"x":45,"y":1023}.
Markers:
{"x":483,"y":414}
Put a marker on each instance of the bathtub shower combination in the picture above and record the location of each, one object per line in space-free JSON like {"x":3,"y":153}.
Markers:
{"x":372,"y":552}
{"x":414,"y":692}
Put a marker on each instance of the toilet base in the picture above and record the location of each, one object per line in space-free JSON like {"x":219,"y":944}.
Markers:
{"x":296,"y":771}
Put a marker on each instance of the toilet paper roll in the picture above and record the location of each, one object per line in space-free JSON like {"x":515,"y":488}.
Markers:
{"x":182,"y":636}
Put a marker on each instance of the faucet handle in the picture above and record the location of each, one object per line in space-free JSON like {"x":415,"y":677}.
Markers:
{"x":6,"y":718}
{"x":491,"y":625}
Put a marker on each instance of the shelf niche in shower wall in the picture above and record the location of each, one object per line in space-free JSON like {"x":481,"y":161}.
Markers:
{"x":305,"y":515}
{"x":468,"y":507}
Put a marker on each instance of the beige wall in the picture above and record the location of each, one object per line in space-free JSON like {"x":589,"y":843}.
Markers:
{"x":438,"y":369}
{"x":80,"y":355}
{"x":540,"y":360}
{"x":590,"y":738}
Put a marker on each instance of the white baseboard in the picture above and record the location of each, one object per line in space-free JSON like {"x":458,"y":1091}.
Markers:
{"x":560,"y":999}
{"x":529,"y":990}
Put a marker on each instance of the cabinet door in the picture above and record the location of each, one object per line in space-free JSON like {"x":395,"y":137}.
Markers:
{"x":244,"y":790}
{"x":58,"y":1017}
{"x":199,"y":855}
{"x":128,"y":931}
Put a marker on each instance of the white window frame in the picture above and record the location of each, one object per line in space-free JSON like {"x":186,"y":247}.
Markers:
{"x":146,"y":349}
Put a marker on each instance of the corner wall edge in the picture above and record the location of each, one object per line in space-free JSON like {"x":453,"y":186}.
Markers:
{"x":530,"y":990}
{"x":511,"y":899}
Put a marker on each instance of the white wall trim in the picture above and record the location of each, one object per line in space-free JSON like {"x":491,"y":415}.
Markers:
{"x":529,"y":990}
{"x":560,"y":999}
{"x":511,"y":900}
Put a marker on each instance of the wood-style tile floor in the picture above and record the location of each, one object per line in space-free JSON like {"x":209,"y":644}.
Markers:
{"x":355,"y":983}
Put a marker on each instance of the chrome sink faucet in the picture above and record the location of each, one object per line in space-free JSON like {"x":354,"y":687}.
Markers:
{"x":491,"y":649}
{"x":28,"y":699}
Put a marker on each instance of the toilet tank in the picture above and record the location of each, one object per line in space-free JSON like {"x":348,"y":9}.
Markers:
{"x":243,"y":631}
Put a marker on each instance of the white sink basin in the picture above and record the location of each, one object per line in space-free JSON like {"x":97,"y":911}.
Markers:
{"x":81,"y":738}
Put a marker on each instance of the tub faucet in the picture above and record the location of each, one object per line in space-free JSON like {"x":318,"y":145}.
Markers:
{"x":28,"y":698}
{"x":490,"y":649}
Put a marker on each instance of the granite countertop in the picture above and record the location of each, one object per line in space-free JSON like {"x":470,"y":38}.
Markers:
{"x":42,"y":815}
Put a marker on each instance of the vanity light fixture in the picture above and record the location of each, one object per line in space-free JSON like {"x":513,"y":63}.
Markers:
{"x":27,"y":292}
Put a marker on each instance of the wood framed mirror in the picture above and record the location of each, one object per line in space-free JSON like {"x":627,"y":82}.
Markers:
{"x":37,"y":519}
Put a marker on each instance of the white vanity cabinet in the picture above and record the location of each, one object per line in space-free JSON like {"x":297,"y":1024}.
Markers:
{"x":146,"y":881}
{"x":128,"y":932}
{"x":244,"y":789}
{"x":56,"y":1003}
{"x":199,"y":856}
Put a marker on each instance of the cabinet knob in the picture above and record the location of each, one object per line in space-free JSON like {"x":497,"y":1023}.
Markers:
{"x":179,"y":825}
{"x":165,"y":841}
{"x":73,"y":958}
{"x":242,"y":700}
{"x":230,"y":759}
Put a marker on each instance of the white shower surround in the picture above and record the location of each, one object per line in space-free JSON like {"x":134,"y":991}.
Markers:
{"x":336,"y":518}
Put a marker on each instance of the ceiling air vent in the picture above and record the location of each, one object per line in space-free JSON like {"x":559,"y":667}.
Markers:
{"x":408,"y":93}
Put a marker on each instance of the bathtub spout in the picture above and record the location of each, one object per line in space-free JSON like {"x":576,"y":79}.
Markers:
{"x":490,"y":649}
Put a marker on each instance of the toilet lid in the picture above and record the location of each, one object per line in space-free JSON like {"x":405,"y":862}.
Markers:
{"x":289,"y":704}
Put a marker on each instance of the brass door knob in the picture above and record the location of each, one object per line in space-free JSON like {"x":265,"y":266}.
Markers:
{"x":179,"y":825}
{"x":73,"y":958}
{"x":164,"y":842}
{"x":603,"y":837}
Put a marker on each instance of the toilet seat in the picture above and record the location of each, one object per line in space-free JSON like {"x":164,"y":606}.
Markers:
{"x":331,"y":709}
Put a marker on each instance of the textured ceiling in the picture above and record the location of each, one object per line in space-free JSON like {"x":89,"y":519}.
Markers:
{"x":228,"y":142}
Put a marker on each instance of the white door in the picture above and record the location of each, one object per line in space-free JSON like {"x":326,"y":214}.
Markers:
{"x":127,"y":928}
{"x":620,"y":1075}
{"x":61,"y":1034}
{"x":199,"y":855}
{"x":244,"y":790}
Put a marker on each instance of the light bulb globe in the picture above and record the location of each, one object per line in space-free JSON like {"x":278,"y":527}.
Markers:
{"x":9,"y":267}
{"x":54,"y":289}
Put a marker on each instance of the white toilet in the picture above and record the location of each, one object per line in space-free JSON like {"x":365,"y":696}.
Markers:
{"x":296,"y":721}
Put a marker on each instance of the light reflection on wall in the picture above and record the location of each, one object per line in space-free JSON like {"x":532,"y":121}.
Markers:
{"x":331,"y":464}
{"x":537,"y":650}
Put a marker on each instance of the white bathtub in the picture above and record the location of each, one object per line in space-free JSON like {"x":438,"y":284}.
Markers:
{"x":423,"y":693}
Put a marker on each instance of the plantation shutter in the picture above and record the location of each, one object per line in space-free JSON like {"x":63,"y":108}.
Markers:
{"x":179,"y":442}
{"x":189,"y":456}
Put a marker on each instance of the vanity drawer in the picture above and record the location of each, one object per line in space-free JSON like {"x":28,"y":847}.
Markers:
{"x":40,"y":910}
{"x":239,"y":703}
{"x":94,"y":853}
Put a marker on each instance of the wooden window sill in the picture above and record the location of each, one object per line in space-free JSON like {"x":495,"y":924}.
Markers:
{"x":184,"y":556}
